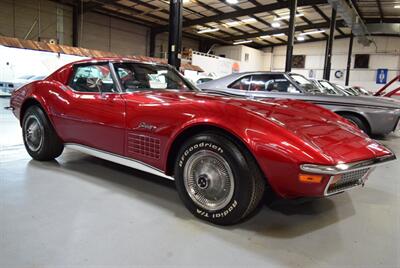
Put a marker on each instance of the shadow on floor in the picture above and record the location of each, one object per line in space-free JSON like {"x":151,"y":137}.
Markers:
{"x":284,"y":219}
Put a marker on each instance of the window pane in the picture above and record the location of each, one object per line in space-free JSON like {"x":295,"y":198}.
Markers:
{"x":271,"y":83}
{"x":93,"y":78}
{"x":241,"y":84}
{"x":137,"y":76}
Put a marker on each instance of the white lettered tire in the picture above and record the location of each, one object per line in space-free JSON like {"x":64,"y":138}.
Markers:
{"x":217,"y":179}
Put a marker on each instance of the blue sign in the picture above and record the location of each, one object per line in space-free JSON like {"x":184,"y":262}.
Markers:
{"x":381,"y":76}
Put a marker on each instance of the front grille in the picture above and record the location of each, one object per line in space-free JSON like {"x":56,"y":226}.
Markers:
{"x":348,"y":180}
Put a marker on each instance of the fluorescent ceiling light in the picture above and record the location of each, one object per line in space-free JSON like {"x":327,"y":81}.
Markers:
{"x":312,"y":32}
{"x":279,"y":34}
{"x":265,"y":36}
{"x":300,"y":38}
{"x":397,"y":6}
{"x":232,"y":2}
{"x":185,"y":1}
{"x":210,"y":30}
{"x":242,"y":42}
{"x":288,"y":17}
{"x":276,"y":24}
{"x":235,"y":23}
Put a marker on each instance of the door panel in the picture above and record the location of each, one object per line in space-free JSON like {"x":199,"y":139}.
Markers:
{"x":94,"y":120}
{"x":91,"y":112}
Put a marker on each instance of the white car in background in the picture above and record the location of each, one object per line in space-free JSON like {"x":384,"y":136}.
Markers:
{"x":6,"y":88}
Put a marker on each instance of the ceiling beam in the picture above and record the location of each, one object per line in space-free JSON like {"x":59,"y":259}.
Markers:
{"x":378,"y":2}
{"x":355,"y":4}
{"x":245,"y":12}
{"x":285,"y":30}
{"x":324,"y":39}
{"x":326,"y":18}
{"x":384,"y":20}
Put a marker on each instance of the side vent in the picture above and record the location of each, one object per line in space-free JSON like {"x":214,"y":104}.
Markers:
{"x":143,"y":145}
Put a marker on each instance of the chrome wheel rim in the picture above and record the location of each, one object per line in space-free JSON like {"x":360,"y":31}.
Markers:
{"x":208,"y":180}
{"x":33,"y":133}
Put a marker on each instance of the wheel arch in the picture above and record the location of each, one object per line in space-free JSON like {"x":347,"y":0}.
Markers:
{"x":358,"y":115}
{"x":31,"y":101}
{"x":197,"y":129}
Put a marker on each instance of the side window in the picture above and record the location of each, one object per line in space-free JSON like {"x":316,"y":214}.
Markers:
{"x":136,"y":77}
{"x":93,"y":78}
{"x":271,"y":83}
{"x":241,"y":84}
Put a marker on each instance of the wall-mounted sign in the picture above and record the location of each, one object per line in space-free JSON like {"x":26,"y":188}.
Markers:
{"x":339,"y":74}
{"x":381,"y":76}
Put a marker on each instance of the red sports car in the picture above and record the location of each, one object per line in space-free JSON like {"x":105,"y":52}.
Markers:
{"x":222,"y":151}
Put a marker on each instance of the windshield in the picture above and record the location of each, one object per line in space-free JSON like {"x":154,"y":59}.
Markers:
{"x":330,"y":88}
{"x":139,"y":76}
{"x":305,"y":84}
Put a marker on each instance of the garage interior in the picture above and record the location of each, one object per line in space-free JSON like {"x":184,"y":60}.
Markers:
{"x":81,"y":211}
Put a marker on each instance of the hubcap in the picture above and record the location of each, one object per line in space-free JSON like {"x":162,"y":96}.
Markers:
{"x":33,"y":131}
{"x":209,"y":180}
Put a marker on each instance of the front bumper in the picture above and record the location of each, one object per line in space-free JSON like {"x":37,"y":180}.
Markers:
{"x":343,"y":177}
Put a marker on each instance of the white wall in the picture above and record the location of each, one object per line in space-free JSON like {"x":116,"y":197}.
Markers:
{"x":214,"y":65}
{"x":15,"y":62}
{"x":257,"y":60}
{"x":386,"y":54}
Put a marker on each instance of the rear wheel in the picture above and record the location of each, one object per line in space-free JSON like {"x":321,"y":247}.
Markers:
{"x":216,"y":180}
{"x":40,"y":139}
{"x":357,"y":122}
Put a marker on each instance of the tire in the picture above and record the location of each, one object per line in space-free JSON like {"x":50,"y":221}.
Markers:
{"x":207,"y":164}
{"x":358,"y":122}
{"x":40,"y":138}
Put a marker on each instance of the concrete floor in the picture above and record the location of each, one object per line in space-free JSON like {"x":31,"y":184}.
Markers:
{"x":81,"y":211}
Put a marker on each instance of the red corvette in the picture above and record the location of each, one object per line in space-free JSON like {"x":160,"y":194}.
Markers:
{"x":222,"y":151}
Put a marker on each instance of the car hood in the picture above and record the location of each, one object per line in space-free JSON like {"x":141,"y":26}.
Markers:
{"x":322,"y":99}
{"x":331,"y":135}
{"x":366,"y":101}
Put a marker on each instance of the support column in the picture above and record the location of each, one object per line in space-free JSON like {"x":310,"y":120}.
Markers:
{"x":175,"y":33}
{"x":329,"y":44}
{"x":290,"y":34}
{"x":152,"y":44}
{"x":349,"y":59}
{"x":75,"y":25}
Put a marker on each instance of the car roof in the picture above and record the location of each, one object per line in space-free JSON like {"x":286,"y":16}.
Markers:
{"x":118,"y":59}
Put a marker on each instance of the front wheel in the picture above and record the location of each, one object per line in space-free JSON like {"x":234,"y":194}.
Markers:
{"x":357,"y":122}
{"x":216,"y":180}
{"x":40,"y":139}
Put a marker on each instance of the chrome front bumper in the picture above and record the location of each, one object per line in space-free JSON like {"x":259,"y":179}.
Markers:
{"x":351,"y":174}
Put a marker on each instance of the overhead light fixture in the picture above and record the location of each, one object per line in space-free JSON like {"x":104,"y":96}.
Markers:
{"x":300,"y":38}
{"x":186,"y":1}
{"x":232,"y":2}
{"x":279,"y":34}
{"x":312,"y":32}
{"x":276,"y":24}
{"x":288,"y":17}
{"x":210,"y":30}
{"x":265,"y":36}
{"x":397,"y":6}
{"x":242,"y":42}
{"x":240,"y":22}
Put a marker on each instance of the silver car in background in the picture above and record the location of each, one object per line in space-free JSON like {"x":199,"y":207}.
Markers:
{"x":7,"y":87}
{"x":373,"y":115}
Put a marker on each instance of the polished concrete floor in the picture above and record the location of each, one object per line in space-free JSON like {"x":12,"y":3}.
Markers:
{"x":80,"y":211}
